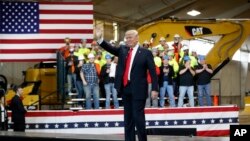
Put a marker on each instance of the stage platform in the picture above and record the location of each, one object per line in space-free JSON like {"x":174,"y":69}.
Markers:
{"x":185,"y":121}
{"x":29,"y":136}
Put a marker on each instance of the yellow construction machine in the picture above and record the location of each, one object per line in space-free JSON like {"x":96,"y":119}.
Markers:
{"x":39,"y":86}
{"x":232,"y":34}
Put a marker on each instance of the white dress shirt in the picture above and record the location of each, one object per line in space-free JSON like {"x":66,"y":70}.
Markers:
{"x":132,"y":59}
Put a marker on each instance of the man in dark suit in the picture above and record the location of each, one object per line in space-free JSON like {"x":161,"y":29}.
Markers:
{"x":3,"y":112}
{"x":131,"y":81}
{"x":18,"y":110}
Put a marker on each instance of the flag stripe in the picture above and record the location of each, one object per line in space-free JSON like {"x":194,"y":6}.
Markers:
{"x":51,"y":6}
{"x":37,"y":41}
{"x":27,"y":60}
{"x":68,"y":31}
{"x":52,"y":21}
{"x":29,"y":56}
{"x":23,"y":51}
{"x":151,"y":111}
{"x":67,"y":17}
{"x":66,"y":12}
{"x":66,"y":3}
{"x":117,"y":130}
{"x":50,"y":36}
{"x":214,"y":133}
{"x":38,"y":46}
{"x":66,"y":26}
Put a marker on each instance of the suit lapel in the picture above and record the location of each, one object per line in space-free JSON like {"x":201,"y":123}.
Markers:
{"x":125,"y":56}
{"x":136,"y":57}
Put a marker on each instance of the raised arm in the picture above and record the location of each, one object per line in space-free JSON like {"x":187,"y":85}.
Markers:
{"x":105,"y":45}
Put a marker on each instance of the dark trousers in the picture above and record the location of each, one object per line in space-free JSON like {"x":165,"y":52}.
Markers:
{"x":4,"y":126}
{"x":19,"y":126}
{"x":134,"y":116}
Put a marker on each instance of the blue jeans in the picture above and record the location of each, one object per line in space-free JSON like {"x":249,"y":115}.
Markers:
{"x":71,"y":80}
{"x":110,"y":89}
{"x":190,"y":92}
{"x":204,"y":90}
{"x":79,"y":87}
{"x":170,"y":91}
{"x":92,"y":89}
{"x":148,"y":100}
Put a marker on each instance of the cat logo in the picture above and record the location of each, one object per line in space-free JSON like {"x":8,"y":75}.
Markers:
{"x":197,"y":30}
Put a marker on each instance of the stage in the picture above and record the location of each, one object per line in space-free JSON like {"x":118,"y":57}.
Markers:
{"x":29,"y":136}
{"x":186,"y":121}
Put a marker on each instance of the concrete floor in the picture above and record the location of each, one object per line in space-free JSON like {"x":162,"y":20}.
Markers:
{"x":69,"y":137}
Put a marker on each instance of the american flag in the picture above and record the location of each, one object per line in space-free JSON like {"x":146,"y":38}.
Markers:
{"x":33,"y":31}
{"x":208,"y":121}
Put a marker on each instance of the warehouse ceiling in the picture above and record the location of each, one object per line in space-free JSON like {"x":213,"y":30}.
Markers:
{"x":138,"y":12}
{"x":135,"y":13}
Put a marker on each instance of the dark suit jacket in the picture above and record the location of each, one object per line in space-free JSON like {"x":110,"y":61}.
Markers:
{"x":18,"y":111}
{"x":142,"y":62}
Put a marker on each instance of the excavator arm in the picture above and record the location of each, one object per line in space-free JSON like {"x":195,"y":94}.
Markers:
{"x":233,"y":34}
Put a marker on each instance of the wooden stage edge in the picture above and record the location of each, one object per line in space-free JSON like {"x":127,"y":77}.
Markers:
{"x":29,"y":136}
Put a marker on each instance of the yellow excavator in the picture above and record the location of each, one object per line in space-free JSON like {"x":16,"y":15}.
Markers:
{"x":39,"y":86}
{"x":232,"y":33}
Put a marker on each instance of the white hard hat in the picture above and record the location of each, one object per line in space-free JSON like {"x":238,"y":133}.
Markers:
{"x":146,"y":42}
{"x":185,"y":47}
{"x":170,"y":48}
{"x":81,"y":57}
{"x":194,"y":50}
{"x":91,"y":55}
{"x":77,"y":45}
{"x":162,"y":39}
{"x":177,"y":36}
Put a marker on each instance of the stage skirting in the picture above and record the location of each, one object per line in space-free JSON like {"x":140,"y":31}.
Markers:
{"x":208,"y":121}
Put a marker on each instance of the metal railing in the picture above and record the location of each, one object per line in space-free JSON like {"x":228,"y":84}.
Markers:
{"x":61,"y":76}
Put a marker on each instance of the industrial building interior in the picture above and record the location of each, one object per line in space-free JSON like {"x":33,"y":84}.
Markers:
{"x":232,"y":82}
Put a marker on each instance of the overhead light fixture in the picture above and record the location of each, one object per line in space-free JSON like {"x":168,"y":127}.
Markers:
{"x":193,"y":13}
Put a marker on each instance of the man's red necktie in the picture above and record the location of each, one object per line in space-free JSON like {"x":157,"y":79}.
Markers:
{"x":127,"y":67}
